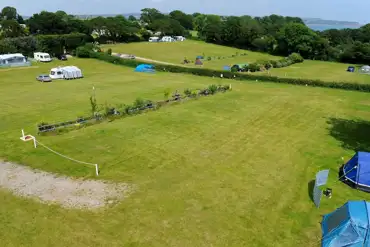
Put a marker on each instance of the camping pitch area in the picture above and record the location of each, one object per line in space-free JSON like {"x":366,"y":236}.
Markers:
{"x":234,"y":169}
{"x":175,"y":53}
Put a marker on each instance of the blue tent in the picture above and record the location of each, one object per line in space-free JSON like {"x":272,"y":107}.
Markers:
{"x":145,"y":68}
{"x":356,"y":172}
{"x":351,"y":69}
{"x":348,"y":226}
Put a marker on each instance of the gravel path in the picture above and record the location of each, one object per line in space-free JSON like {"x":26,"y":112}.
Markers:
{"x":49,"y":188}
{"x":143,"y":59}
{"x":155,"y":61}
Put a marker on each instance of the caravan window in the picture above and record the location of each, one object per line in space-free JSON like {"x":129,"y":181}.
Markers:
{"x":47,"y":56}
{"x":59,"y":72}
{"x":52,"y":72}
{"x":41,"y":57}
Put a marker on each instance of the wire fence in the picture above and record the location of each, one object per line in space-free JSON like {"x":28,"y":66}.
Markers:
{"x":69,"y":158}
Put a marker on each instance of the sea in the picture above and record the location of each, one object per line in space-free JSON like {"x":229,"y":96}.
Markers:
{"x":320,"y":27}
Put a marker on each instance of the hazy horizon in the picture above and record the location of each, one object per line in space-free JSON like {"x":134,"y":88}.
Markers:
{"x":328,"y":10}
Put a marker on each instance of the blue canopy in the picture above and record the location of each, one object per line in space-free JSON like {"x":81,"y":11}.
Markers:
{"x":145,"y":68}
{"x":356,"y":171}
{"x":347,"y":226}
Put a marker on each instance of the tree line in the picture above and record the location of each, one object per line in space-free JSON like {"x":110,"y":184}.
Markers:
{"x":272,"y":34}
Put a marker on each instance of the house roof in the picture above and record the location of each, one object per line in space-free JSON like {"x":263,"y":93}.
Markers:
{"x":7,"y":56}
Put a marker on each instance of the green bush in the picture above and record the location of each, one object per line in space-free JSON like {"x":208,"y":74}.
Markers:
{"x":296,"y":58}
{"x":83,"y":52}
{"x":109,"y":51}
{"x":253,"y":67}
{"x":187,"y":92}
{"x":273,"y":63}
{"x":278,"y":64}
{"x":139,"y":103}
{"x":212,"y":89}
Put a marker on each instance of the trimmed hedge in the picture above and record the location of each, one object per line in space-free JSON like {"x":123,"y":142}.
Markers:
{"x":353,"y":86}
{"x":268,"y":64}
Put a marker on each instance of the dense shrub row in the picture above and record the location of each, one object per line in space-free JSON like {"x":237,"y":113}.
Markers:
{"x":237,"y":76}
{"x":100,"y":113}
{"x":263,"y":65}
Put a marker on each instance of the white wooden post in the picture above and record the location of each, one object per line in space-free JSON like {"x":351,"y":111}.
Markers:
{"x":96,"y":170}
{"x":34,"y":142}
{"x":22,"y":133}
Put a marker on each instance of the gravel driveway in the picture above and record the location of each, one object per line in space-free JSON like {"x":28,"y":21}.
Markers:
{"x":49,"y":188}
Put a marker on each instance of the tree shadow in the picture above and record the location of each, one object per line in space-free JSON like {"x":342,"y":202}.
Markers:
{"x":310,"y":186}
{"x":353,"y":134}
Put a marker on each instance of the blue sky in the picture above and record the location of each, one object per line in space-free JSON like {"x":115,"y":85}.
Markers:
{"x":326,"y":9}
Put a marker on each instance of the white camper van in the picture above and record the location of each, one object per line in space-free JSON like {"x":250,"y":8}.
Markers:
{"x":42,"y":56}
{"x":67,"y":73}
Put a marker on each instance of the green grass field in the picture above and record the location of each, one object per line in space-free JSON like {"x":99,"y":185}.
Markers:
{"x":229,"y":170}
{"x":175,"y":53}
{"x":327,"y":71}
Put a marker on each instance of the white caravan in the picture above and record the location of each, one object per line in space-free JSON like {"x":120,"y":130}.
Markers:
{"x":167,"y":39}
{"x":180,"y":38}
{"x":153,"y":39}
{"x":67,"y":73}
{"x":42,"y":56}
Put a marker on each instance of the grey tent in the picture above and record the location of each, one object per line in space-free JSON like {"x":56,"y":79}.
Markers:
{"x":365,"y":69}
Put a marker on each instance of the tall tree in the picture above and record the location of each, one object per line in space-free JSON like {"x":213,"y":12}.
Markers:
{"x":295,"y":37}
{"x":212,"y":29}
{"x":11,"y":29}
{"x":185,"y":20}
{"x":9,"y":13}
{"x":149,"y":15}
{"x":132,"y":18}
{"x":167,"y":26}
{"x":47,"y":23}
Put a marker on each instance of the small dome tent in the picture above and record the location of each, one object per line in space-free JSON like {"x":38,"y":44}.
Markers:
{"x":356,"y":172}
{"x":351,"y":69}
{"x":348,"y":226}
{"x":146,"y":68}
{"x":198,"y":62}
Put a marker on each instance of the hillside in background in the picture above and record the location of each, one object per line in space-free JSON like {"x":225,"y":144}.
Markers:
{"x":318,"y":21}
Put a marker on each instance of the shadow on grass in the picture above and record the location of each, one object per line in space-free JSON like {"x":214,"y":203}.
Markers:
{"x":353,"y":134}
{"x":310,"y":186}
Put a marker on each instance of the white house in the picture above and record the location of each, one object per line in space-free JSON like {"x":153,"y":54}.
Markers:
{"x":67,"y":73}
{"x":42,"y":56}
{"x":13,"y":60}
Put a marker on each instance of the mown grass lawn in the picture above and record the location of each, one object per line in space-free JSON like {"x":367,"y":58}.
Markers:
{"x":326,"y":71}
{"x":176,"y":52}
{"x":228,"y":170}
